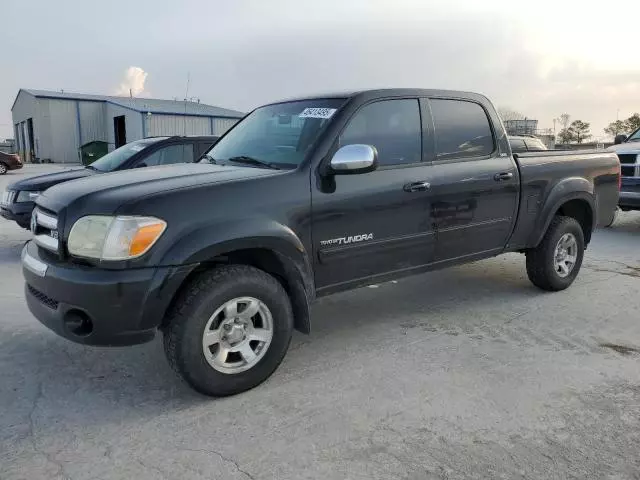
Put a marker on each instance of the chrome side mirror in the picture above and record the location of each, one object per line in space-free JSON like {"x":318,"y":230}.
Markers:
{"x":354,"y":159}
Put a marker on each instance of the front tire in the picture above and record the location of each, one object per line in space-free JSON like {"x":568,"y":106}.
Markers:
{"x":554,"y":264}
{"x":3,"y":169}
{"x":229,"y":330}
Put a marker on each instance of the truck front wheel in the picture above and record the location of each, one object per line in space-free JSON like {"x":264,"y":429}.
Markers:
{"x":229,"y":330}
{"x":554,"y":264}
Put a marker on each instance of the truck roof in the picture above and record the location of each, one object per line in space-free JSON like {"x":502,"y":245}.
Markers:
{"x":371,"y":94}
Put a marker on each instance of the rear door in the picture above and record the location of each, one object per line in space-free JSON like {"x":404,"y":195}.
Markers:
{"x":375,"y":223}
{"x":475,"y":187}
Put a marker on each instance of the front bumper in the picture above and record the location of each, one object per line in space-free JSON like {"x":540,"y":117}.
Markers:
{"x":94,"y":306}
{"x":15,"y":166}
{"x":629,"y":200}
{"x":18,"y":212}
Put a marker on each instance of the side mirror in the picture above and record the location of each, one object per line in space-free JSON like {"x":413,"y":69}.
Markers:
{"x":354,"y":159}
{"x":620,"y":139}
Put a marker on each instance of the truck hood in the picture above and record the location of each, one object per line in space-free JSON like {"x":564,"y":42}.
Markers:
{"x":117,"y":188}
{"x":630,"y":147}
{"x":42,"y":182}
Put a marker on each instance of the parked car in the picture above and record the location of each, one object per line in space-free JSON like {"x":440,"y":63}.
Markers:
{"x":526,"y":144}
{"x":19,"y":197}
{"x":628,"y":151}
{"x":299,"y":200}
{"x":9,"y":161}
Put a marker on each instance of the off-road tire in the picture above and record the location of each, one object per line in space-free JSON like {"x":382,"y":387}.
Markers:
{"x":189,"y":314}
{"x":540,"y":260}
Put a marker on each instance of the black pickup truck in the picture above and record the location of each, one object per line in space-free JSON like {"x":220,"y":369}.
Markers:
{"x":18,"y":200}
{"x":302,"y":199}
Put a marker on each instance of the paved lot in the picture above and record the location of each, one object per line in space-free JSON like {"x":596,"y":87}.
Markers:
{"x":465,"y":373}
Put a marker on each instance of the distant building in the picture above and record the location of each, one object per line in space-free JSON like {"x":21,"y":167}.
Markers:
{"x":521,"y":127}
{"x":52,"y":126}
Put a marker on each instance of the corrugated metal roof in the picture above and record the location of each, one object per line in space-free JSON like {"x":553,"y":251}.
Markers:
{"x":153,"y":105}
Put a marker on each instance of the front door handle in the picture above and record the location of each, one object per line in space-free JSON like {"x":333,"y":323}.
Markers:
{"x":500,"y":177}
{"x":417,"y":187}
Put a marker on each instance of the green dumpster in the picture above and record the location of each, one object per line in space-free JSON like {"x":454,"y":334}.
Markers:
{"x":90,"y":152}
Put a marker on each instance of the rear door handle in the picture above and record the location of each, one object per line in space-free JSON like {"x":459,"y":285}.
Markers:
{"x":417,"y":187}
{"x":500,"y":177}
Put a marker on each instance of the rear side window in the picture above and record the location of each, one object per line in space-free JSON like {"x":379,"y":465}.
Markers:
{"x":535,"y":145}
{"x":392,"y":126}
{"x":517,"y":145}
{"x":462,"y":129}
{"x":178,"y":153}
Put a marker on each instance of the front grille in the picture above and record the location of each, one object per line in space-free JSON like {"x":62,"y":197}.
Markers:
{"x":44,"y":299}
{"x":44,"y":226}
{"x":629,"y":164}
{"x":8,"y":197}
{"x":627,"y":158}
{"x":628,"y":171}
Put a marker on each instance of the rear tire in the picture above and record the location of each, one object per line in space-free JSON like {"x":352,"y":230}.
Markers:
{"x":237,"y":360}
{"x":3,"y":169}
{"x":549,"y":265}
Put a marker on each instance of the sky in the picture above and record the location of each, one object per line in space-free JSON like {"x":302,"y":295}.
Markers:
{"x":541,"y":59}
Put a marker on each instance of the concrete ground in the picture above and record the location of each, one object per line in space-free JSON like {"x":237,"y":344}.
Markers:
{"x":469,"y":372}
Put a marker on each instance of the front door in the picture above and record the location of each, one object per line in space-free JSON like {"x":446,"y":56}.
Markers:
{"x":375,"y":223}
{"x":475,"y":187}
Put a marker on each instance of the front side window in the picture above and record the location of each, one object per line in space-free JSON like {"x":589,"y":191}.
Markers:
{"x":535,"y":145}
{"x":392,"y":127}
{"x":278,"y":135}
{"x":179,"y":153}
{"x":517,"y":145}
{"x":462,"y":129}
{"x":115,"y":159}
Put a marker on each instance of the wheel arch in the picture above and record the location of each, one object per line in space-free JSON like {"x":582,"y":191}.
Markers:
{"x":578,"y":204}
{"x":278,"y":251}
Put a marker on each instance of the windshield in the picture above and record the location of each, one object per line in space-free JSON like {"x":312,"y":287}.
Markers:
{"x":634,"y":137}
{"x":115,"y":159}
{"x":275,"y":135}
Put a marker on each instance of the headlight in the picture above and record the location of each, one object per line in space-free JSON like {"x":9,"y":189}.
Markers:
{"x":114,"y":238}
{"x":27,"y":196}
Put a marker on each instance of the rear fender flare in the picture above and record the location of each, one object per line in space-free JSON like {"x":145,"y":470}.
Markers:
{"x":573,"y":188}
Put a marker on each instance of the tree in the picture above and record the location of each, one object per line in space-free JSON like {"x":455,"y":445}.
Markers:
{"x":565,"y":118}
{"x":507,"y":113}
{"x":565,"y":135}
{"x":616,"y":128}
{"x":632,"y":123}
{"x":580,"y":130}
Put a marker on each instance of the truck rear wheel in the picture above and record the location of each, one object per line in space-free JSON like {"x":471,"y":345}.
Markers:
{"x":554,"y":264}
{"x":229,"y":330}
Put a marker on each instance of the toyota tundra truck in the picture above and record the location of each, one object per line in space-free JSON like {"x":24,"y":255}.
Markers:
{"x":302,"y":199}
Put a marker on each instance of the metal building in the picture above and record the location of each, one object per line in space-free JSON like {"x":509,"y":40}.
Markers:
{"x":52,"y":126}
{"x":525,"y":126}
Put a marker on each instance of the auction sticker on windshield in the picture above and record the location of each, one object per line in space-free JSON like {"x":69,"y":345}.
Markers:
{"x":317,"y":112}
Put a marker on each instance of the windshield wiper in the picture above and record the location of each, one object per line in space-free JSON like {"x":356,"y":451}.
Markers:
{"x":253,"y":161}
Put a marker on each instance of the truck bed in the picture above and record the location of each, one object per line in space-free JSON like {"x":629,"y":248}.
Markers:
{"x":544,"y":175}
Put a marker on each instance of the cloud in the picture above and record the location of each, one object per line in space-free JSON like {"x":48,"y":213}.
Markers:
{"x":133,"y":83}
